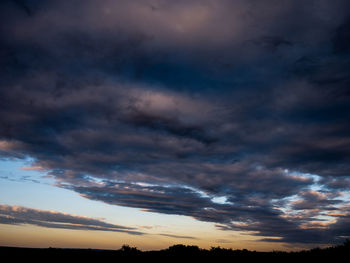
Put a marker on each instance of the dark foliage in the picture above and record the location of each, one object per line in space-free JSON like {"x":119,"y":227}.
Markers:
{"x":176,"y":252}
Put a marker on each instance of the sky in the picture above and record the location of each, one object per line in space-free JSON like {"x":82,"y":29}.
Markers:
{"x":157,"y":122}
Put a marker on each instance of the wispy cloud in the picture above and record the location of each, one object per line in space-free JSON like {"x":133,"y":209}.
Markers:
{"x":177,"y":236}
{"x":17,"y":215}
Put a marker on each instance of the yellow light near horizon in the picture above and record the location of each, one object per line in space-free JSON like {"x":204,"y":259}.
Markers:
{"x":41,"y":237}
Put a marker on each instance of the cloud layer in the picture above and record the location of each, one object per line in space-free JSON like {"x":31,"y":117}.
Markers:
{"x":18,"y":215}
{"x":232,"y":112}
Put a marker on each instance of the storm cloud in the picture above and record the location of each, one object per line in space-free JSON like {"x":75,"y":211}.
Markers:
{"x":232,"y":112}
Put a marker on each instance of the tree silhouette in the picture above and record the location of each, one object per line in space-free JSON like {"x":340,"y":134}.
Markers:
{"x":178,"y":252}
{"x":129,"y":250}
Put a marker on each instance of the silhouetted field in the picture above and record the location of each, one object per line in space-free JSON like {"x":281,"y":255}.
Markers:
{"x":176,"y":252}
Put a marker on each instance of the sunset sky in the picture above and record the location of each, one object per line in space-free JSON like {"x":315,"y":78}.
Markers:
{"x":157,"y":122}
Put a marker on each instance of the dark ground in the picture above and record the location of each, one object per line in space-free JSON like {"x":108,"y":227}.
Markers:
{"x":173,"y":253}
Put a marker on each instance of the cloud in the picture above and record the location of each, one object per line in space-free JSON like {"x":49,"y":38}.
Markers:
{"x":167,"y":106}
{"x":314,"y":200}
{"x":223,"y":241}
{"x":312,"y":218}
{"x":177,"y":236}
{"x":32,"y":168}
{"x":17,"y":215}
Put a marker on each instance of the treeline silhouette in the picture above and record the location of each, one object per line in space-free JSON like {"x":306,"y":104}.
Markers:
{"x":176,"y":252}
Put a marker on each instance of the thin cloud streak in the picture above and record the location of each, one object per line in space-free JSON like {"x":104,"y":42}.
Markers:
{"x":177,"y":236}
{"x":17,"y":215}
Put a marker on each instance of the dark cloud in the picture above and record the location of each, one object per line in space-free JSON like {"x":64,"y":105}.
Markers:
{"x":252,"y":213}
{"x":314,"y":200}
{"x":336,"y":183}
{"x":17,"y":215}
{"x":341,"y":40}
{"x":245,"y":102}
